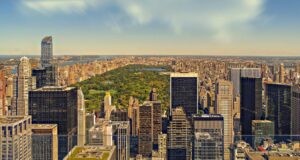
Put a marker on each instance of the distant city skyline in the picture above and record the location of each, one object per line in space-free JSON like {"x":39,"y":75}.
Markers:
{"x":151,"y":27}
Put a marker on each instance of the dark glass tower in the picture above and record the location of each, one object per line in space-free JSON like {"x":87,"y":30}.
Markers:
{"x":251,"y":104}
{"x":45,"y":76}
{"x":184,"y":92}
{"x":56,"y":105}
{"x":279,"y":107}
{"x":47,"y":51}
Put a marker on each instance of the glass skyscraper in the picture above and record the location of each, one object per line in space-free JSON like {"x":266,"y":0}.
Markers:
{"x":184,"y":92}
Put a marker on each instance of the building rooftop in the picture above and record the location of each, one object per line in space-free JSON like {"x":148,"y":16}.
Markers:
{"x":91,"y":152}
{"x":43,"y":126}
{"x":261,"y":121}
{"x":11,"y":119}
{"x":47,"y":39}
{"x":183,"y":74}
{"x":54,"y":88}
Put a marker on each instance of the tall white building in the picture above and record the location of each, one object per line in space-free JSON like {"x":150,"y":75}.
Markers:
{"x":23,"y":85}
{"x":81,"y":137}
{"x":224,"y":106}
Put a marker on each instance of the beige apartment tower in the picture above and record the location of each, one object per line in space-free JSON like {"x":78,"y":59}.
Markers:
{"x":81,"y":128}
{"x":224,"y":106}
{"x":44,"y":141}
{"x":15,"y":137}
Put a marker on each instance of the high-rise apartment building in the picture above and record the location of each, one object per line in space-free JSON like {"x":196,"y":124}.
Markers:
{"x":184,"y":92}
{"x":279,"y":107}
{"x":179,"y":136}
{"x":295,"y":111}
{"x":224,"y":106}
{"x":262,"y":130}
{"x":44,"y":141}
{"x":208,"y":140}
{"x":81,"y":129}
{"x":46,"y":51}
{"x":57,"y":105}
{"x":251,"y":104}
{"x":153,"y":95}
{"x":15,"y":137}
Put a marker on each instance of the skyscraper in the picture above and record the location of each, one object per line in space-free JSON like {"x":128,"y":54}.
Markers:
{"x":235,"y":75}
{"x":224,"y":106}
{"x":15,"y":137}
{"x":295,"y":111}
{"x":44,"y":141}
{"x":23,"y":83}
{"x":281,"y":73}
{"x":46,"y":51}
{"x":235,"y":78}
{"x":145,"y":130}
{"x":279,"y":107}
{"x":81,"y":138}
{"x":122,"y":140}
{"x":46,"y":76}
{"x":251,"y":104}
{"x":3,"y":109}
{"x":184,"y":92}
{"x":179,"y":136}
{"x":208,"y":137}
{"x":57,"y":105}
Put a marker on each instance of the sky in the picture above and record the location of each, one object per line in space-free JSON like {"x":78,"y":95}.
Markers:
{"x":152,"y":27}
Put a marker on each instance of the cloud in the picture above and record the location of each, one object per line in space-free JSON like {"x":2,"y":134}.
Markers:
{"x":54,"y":6}
{"x":222,"y":19}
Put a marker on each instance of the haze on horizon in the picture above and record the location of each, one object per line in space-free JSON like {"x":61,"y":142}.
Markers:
{"x":194,"y":27}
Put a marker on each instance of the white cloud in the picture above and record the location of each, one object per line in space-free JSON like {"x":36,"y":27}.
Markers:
{"x":52,"y":6}
{"x":220,"y":18}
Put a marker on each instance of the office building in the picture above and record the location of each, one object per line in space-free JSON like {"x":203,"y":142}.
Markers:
{"x":81,"y":129}
{"x":46,"y":108}
{"x":90,"y":120}
{"x":15,"y":137}
{"x":235,"y":75}
{"x":279,"y":107}
{"x":145,"y":130}
{"x":224,"y":106}
{"x":251,"y":104}
{"x":262,"y":130}
{"x":184,"y":92}
{"x":92,"y":152}
{"x":208,"y":140}
{"x":46,"y":51}
{"x":295,"y":112}
{"x":179,"y":136}
{"x":46,"y":76}
{"x":119,"y":115}
{"x":44,"y":142}
{"x":107,"y":102}
{"x":235,"y":78}
{"x":122,"y":140}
